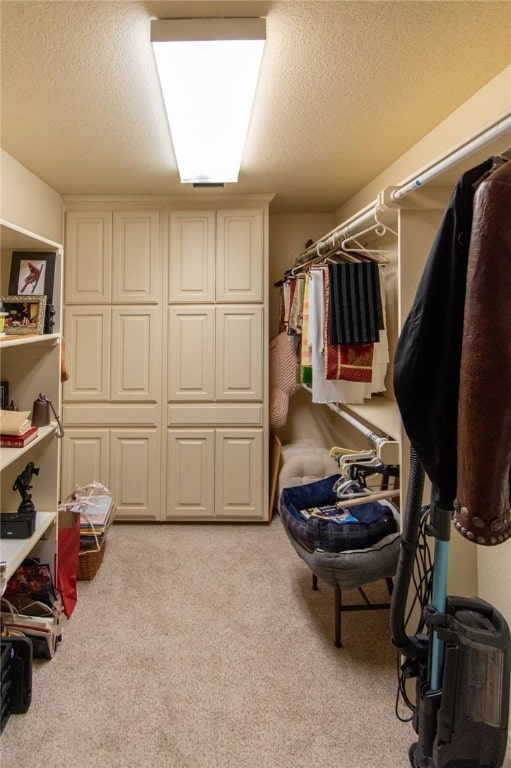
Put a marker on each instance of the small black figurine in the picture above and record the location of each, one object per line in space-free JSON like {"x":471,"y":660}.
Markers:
{"x":23,"y":485}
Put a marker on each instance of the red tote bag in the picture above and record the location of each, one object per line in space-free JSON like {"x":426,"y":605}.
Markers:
{"x":67,"y":558}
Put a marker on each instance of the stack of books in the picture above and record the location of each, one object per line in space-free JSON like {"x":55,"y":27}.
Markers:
{"x":95,"y":519}
{"x":16,"y":429}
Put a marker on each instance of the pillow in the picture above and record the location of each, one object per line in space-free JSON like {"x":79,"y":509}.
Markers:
{"x":304,"y":461}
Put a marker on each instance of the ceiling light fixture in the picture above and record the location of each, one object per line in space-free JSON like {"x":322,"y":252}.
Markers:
{"x":208,"y":71}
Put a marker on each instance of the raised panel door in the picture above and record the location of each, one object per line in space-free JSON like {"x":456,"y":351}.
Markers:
{"x":88,"y":332}
{"x":192,"y":256}
{"x":135,"y":473}
{"x":136,"y":354}
{"x":190,"y":474}
{"x":239,"y":256}
{"x":135,"y":256}
{"x":191,"y":359}
{"x":84,"y":458}
{"x":239,"y":463}
{"x":88,"y":256}
{"x":239,"y":352}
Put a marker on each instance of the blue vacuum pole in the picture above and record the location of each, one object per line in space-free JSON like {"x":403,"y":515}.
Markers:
{"x":438,"y":602}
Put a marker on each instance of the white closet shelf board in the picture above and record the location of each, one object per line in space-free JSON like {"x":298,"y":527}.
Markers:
{"x":13,"y":237}
{"x":380,"y":413}
{"x":9,"y":455}
{"x":14,"y":551}
{"x":378,"y":420}
{"x":17,"y":341}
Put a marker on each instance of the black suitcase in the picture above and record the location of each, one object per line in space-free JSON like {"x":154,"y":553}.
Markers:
{"x":16,"y":676}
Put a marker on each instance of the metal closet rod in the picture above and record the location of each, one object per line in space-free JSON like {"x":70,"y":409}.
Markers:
{"x":460,"y":154}
{"x":333,"y":238}
{"x":371,"y":211}
{"x":376,"y":441}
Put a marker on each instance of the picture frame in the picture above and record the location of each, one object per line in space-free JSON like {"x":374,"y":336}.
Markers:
{"x":26,"y":314}
{"x":4,"y":394}
{"x":32,"y":274}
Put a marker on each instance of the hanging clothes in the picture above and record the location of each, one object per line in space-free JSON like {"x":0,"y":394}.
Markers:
{"x":305,"y":352}
{"x":327,"y":390}
{"x":296,"y":309}
{"x":346,"y":361}
{"x":484,"y":410}
{"x":348,"y":372}
{"x":355,"y":303}
{"x":427,"y":359}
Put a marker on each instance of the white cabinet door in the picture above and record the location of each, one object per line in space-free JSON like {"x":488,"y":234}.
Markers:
{"x":215,"y":353}
{"x":136,"y":354}
{"x":239,"y":353}
{"x":191,"y":358}
{"x":87,"y":264}
{"x":192,"y":256}
{"x":239,"y":256}
{"x":135,"y":256}
{"x":239,"y":474}
{"x":135,"y":473}
{"x":85,"y":457}
{"x":88,"y":331}
{"x":190,"y":474}
{"x":215,"y":474}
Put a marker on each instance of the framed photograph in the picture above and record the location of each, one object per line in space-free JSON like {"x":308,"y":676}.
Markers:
{"x":25,"y":314}
{"x":4,"y":394}
{"x":32,"y":274}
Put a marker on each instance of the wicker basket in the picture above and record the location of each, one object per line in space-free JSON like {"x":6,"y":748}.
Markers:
{"x":89,"y":562}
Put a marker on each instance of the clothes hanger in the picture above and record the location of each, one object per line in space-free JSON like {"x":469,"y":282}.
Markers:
{"x":305,"y":266}
{"x":349,"y":489}
{"x":337,"y":452}
{"x":352,"y":245}
{"x":379,"y":229}
{"x":362,"y":456}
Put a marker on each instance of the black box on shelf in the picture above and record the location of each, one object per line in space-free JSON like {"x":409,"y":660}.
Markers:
{"x":17,"y":525}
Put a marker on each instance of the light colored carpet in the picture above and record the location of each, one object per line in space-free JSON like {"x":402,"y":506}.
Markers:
{"x":203,"y":646}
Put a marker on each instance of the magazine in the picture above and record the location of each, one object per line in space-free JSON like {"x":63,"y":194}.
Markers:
{"x":333,"y":512}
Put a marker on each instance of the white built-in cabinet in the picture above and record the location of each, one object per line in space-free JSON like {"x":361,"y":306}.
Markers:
{"x":166,"y":326}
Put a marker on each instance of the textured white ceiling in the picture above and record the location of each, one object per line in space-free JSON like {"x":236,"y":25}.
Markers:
{"x":345,"y":89}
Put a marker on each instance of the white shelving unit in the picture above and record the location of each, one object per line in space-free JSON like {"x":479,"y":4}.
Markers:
{"x":31,"y":364}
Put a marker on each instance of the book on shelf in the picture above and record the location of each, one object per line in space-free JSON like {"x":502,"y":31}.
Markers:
{"x":14,"y":423}
{"x":19,"y":441}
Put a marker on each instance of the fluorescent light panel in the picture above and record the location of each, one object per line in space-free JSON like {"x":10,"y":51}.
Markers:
{"x":208,"y":71}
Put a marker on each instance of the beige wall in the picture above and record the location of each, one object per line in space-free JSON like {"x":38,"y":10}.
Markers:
{"x":485,"y":108}
{"x":288,"y":235}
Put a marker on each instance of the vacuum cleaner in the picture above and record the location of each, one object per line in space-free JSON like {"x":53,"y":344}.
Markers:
{"x":459,"y":655}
